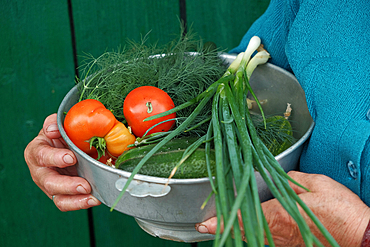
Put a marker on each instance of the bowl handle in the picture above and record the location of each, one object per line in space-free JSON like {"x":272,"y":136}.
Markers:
{"x":139,"y":188}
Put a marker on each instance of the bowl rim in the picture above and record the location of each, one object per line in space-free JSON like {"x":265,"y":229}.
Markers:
{"x":152,"y":179}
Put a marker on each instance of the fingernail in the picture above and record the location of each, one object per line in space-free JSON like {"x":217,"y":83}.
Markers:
{"x":52,"y":128}
{"x":81,"y":189}
{"x":68,"y":159}
{"x":202,"y":228}
{"x":93,"y":202}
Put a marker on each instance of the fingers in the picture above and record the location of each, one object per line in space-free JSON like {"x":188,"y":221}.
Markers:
{"x":208,"y":226}
{"x":51,"y":165}
{"x":76,"y":202}
{"x":55,"y":184}
{"x":300,"y":178}
{"x":40,"y":153}
{"x":326,"y":197}
{"x":272,"y":208}
{"x":50,"y":127}
{"x":49,"y":156}
{"x":313,"y":182}
{"x":69,"y":193}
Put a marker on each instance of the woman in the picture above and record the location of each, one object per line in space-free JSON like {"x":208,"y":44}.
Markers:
{"x":325,"y":45}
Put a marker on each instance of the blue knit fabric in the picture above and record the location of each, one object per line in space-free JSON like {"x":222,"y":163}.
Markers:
{"x":326,"y":45}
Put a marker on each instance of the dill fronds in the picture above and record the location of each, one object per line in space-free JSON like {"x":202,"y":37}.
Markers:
{"x":174,"y":68}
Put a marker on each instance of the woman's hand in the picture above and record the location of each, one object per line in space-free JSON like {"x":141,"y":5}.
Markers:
{"x":52,"y":167}
{"x":340,"y":210}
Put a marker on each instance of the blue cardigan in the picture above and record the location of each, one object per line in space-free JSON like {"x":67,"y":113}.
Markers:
{"x":326,"y":45}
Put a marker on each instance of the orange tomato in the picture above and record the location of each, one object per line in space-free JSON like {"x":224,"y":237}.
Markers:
{"x":118,"y":138}
{"x":93,"y":128}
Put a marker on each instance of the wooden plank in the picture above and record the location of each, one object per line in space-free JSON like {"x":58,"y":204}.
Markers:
{"x":36,"y":70}
{"x":103,"y":26}
{"x":222,"y":21}
{"x":116,"y":229}
{"x":225,"y":23}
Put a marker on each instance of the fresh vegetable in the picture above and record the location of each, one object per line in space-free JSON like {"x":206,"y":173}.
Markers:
{"x":163,"y":162}
{"x":172,"y":67}
{"x":238,"y":153}
{"x":103,"y":159}
{"x":215,"y":110}
{"x":85,"y":120}
{"x":93,"y":128}
{"x":118,"y":139}
{"x":278,"y":134}
{"x":144,"y":102}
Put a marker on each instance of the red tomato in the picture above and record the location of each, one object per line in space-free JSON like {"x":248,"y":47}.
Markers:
{"x":103,"y":159}
{"x":86,"y":119}
{"x":90,"y":123}
{"x":144,"y":102}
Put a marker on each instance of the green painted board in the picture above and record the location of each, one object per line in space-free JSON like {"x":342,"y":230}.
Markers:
{"x":36,"y":70}
{"x":116,"y":229}
{"x":223,"y":21}
{"x":102,"y":26}
{"x":105,"y":25}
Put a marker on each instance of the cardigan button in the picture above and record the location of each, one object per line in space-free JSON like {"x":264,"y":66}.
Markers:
{"x":352,"y":169}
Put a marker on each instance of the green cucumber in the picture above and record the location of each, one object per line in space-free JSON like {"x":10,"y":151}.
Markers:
{"x":162,"y":163}
{"x":278,"y":135}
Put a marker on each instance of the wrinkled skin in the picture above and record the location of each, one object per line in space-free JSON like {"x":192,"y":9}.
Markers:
{"x":52,"y":167}
{"x":341,"y":211}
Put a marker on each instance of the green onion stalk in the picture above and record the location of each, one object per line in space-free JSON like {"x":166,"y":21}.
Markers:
{"x":239,"y":152}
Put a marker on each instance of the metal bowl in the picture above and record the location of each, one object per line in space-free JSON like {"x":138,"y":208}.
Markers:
{"x":172,"y":213}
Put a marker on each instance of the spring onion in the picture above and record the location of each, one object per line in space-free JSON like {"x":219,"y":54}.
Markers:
{"x":239,"y":152}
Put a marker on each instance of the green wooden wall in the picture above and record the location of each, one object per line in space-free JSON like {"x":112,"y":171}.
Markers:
{"x":40,"y":47}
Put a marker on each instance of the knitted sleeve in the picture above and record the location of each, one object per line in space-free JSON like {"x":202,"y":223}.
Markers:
{"x":324,"y":43}
{"x":330,"y":61}
{"x":272,"y":27}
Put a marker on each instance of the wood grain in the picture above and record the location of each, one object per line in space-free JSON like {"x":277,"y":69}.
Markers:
{"x":37,"y":69}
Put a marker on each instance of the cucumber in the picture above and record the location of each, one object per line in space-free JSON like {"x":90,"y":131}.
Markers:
{"x":162,"y":163}
{"x":278,"y":135}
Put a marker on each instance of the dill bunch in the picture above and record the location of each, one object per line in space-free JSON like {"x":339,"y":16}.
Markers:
{"x":183,"y":68}
{"x":277,"y":134}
